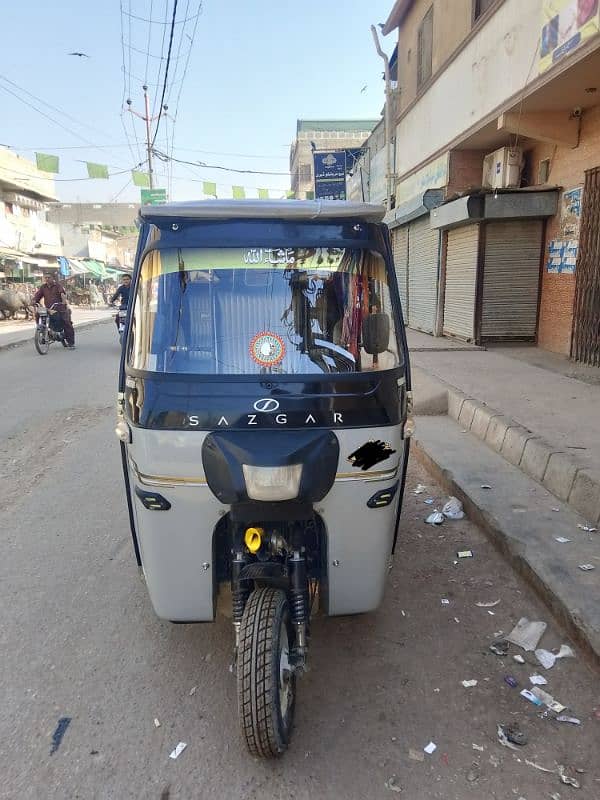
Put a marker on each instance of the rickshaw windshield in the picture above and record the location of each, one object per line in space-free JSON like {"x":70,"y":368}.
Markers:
{"x":252,"y":311}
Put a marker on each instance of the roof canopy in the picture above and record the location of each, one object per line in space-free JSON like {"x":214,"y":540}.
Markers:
{"x":265,"y":209}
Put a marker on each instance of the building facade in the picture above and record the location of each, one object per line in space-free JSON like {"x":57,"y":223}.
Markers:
{"x":28,"y":241}
{"x":497,"y":137}
{"x":314,"y":135}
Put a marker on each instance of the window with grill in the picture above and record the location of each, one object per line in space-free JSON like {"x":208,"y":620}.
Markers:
{"x":425,"y":49}
{"x":480,"y":7}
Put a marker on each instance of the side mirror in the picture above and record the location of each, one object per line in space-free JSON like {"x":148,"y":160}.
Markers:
{"x":376,"y":333}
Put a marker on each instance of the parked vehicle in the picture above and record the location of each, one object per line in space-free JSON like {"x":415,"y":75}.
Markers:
{"x":49,"y":328}
{"x":264,"y":398}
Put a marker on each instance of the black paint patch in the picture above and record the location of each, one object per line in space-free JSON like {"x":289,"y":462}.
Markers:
{"x":57,"y":736}
{"x":370,"y":454}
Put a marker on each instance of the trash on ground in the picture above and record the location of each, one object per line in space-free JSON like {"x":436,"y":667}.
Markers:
{"x":538,"y":766}
{"x":512,"y":682}
{"x":566,"y":777}
{"x":527,"y":633}
{"x":503,"y":739}
{"x":473,"y":773}
{"x":469,"y":684}
{"x":485,"y":486}
{"x":547,"y":700}
{"x":565,"y":652}
{"x":428,"y":501}
{"x":555,"y":509}
{"x":564,"y":718}
{"x":479,"y":747}
{"x":419,"y":489}
{"x":392,"y":784}
{"x":453,"y":509}
{"x":531,"y":697}
{"x":519,"y":659}
{"x":60,"y":730}
{"x":587,"y":528}
{"x":430,"y":748}
{"x":193,"y":691}
{"x":546,"y":658}
{"x":515,"y":735}
{"x":178,"y":750}
{"x":586,"y":567}
{"x":456,"y":619}
{"x":156,"y":723}
{"x":491,"y":613}
{"x":538,"y":680}
{"x":445,"y":602}
{"x":487,"y":605}
{"x":500,"y":647}
{"x":555,"y":796}
{"x":435,"y":518}
{"x":416,"y":755}
{"x":562,"y":539}
{"x":464,"y":554}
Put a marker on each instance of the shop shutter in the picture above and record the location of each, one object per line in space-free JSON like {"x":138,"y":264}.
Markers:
{"x":511,"y":276}
{"x":400,"y":249}
{"x":461,"y":280}
{"x":423,"y":251}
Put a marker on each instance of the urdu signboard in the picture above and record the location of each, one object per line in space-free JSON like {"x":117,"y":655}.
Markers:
{"x":565,"y":25}
{"x":330,"y":175}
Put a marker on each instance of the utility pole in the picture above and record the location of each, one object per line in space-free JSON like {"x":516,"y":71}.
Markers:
{"x":148,"y":120}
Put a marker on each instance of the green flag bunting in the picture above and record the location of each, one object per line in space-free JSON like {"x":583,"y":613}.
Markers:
{"x":238,"y":192}
{"x":263,"y":194}
{"x":97,"y":170}
{"x":209,"y":188}
{"x":46,"y":163}
{"x":141,"y":179}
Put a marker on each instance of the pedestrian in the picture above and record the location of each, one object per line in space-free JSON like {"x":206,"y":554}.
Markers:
{"x":51,"y":292}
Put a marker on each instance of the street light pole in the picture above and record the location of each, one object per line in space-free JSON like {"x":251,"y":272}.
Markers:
{"x":148,"y":119}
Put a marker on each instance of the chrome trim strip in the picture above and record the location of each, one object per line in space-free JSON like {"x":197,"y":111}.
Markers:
{"x":164,"y":480}
{"x":379,"y":475}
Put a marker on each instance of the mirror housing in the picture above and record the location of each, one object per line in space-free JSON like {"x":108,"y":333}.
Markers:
{"x":376,"y":333}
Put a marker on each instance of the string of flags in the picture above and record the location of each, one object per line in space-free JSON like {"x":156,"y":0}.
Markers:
{"x":46,"y":162}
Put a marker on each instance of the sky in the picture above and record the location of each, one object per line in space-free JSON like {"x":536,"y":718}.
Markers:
{"x":254,"y":68}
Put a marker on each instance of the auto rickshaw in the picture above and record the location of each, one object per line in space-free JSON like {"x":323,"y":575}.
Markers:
{"x":264,"y":415}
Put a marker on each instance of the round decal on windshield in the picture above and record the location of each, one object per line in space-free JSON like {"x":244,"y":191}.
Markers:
{"x":267,"y":349}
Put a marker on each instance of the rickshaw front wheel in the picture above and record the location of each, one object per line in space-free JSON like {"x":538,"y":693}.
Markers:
{"x":265,"y":678}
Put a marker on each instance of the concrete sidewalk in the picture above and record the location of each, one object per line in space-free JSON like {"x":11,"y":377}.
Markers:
{"x":485,"y":418}
{"x":14,"y":333}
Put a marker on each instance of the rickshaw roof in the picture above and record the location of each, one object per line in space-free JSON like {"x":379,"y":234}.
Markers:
{"x":292,"y":210}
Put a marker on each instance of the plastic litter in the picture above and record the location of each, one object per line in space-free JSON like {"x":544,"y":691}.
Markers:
{"x":515,"y":735}
{"x":435,"y":518}
{"x":491,"y":613}
{"x":512,"y":682}
{"x":564,"y":773}
{"x":445,"y":602}
{"x":547,"y":700}
{"x":178,"y":750}
{"x":479,"y":747}
{"x":555,"y":796}
{"x":392,"y":784}
{"x":430,"y":748}
{"x":546,"y":658}
{"x":587,"y":528}
{"x":464,"y":554}
{"x":527,"y":633}
{"x":586,"y":567}
{"x":562,"y":539}
{"x":485,"y":486}
{"x":531,"y":697}
{"x":519,"y":659}
{"x":538,"y":766}
{"x":487,"y":605}
{"x":555,"y":509}
{"x":564,"y":718}
{"x":538,"y":680}
{"x":469,"y":684}
{"x":453,"y":509}
{"x":503,"y":739}
{"x":419,"y":489}
{"x":428,"y":501}
{"x":565,"y":652}
{"x":156,"y":723}
{"x":60,"y":730}
{"x":193,"y":691}
{"x":500,"y":647}
{"x":416,"y":755}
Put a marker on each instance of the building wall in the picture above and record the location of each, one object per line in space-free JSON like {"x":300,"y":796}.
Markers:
{"x":465,"y":171}
{"x":493,"y":66}
{"x":567,"y":167}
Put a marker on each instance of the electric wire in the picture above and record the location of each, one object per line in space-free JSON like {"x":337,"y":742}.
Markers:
{"x":163,"y":157}
{"x":166,"y":77}
{"x":149,"y":42}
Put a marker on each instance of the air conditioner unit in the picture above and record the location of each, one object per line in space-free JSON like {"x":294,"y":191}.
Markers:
{"x":502,"y":169}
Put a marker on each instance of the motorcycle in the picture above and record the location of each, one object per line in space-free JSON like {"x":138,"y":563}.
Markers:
{"x":121,"y":319}
{"x":264,"y":419}
{"x":49,"y":328}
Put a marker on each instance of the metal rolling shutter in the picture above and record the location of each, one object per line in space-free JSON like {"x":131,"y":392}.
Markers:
{"x":461,"y":279}
{"x":400,"y":248}
{"x":423,"y":250}
{"x":511,"y":279}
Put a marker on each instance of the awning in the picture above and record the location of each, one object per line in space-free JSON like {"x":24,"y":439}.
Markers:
{"x":96,"y":268}
{"x":414,"y":208}
{"x":516,"y":204}
{"x":77,"y":267}
{"x":14,"y":255}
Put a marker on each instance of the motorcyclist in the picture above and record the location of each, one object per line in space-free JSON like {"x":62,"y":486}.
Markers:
{"x":122,"y":293}
{"x":52,"y":292}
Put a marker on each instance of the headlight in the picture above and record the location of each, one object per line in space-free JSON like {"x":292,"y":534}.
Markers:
{"x":272,"y":483}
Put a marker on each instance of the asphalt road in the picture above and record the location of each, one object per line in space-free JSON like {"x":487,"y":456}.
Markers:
{"x":78,"y":640}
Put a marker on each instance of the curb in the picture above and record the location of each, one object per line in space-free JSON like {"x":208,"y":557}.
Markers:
{"x":81,"y":326}
{"x":547,"y":464}
{"x":569,"y":618}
